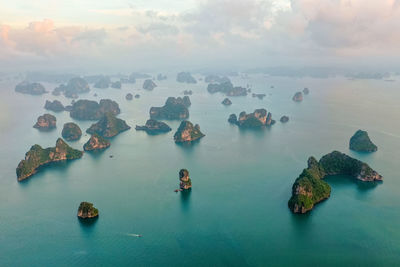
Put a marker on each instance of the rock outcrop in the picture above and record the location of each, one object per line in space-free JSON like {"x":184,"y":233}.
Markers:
{"x":185,"y":182}
{"x":174,"y":109}
{"x":103,"y":82}
{"x":360,"y":142}
{"x":71,"y":131}
{"x":91,"y":110}
{"x":187,"y":133}
{"x":226,"y":88}
{"x":55,"y":106}
{"x":116,"y":85}
{"x":95,"y":143}
{"x":129,"y":96}
{"x":149,"y":85}
{"x":258,"y":119}
{"x":108,"y":126}
{"x":284,"y":119}
{"x":309,"y":188}
{"x":185,"y":77}
{"x":45,"y":122}
{"x":259,"y":96}
{"x":227,"y":102}
{"x":216,"y":79}
{"x":306,"y":91}
{"x":30,"y":88}
{"x":86,"y":210}
{"x":161,"y":77}
{"x":154,"y":127}
{"x":38,"y":156}
{"x":187,"y":92}
{"x":298,"y":97}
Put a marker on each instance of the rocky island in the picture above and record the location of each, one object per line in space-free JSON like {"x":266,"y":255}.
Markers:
{"x":258,"y":119}
{"x":284,"y":119}
{"x":306,"y":91}
{"x":108,"y":126}
{"x":298,"y":97}
{"x":103,"y":82}
{"x":129,"y":96}
{"x":116,"y":85}
{"x":149,"y":85}
{"x":74,"y":87}
{"x":174,"y":109}
{"x":187,"y":133}
{"x":154,"y":127}
{"x":185,"y":77}
{"x":95,"y":143}
{"x":185,"y":182}
{"x":360,"y":142}
{"x":259,"y":96}
{"x":55,"y":106}
{"x":226,"y":88}
{"x":86,"y":210}
{"x":30,"y":88}
{"x":187,"y":92}
{"x":46,"y":122}
{"x":310,"y":188}
{"x":161,"y":77}
{"x":226,"y":102}
{"x":91,"y":110}
{"x":38,"y":156}
{"x":71,"y":131}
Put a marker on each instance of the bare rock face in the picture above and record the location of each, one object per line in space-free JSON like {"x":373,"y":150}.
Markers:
{"x":96,"y":142}
{"x":298,"y":97}
{"x":86,"y":210}
{"x":45,"y":122}
{"x":188,"y":133}
{"x":185,"y":182}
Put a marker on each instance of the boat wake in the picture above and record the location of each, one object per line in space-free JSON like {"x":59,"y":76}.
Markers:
{"x":134,"y":235}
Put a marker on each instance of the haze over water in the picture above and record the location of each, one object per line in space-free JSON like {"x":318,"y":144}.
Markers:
{"x":236,"y":213}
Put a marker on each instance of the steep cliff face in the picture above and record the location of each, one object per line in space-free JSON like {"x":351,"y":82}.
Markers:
{"x":96,"y":142}
{"x":86,"y":210}
{"x":309,"y":188}
{"x":108,"y":126}
{"x":38,"y":156}
{"x":185,"y":182}
{"x":187,"y":133}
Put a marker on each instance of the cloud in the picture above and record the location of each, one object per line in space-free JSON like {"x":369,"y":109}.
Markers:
{"x":158,"y":29}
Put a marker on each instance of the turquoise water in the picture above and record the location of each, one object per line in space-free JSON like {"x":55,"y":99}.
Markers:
{"x":237,"y":212}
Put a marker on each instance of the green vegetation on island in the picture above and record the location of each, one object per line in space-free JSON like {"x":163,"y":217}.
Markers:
{"x":187,"y":133}
{"x":309,"y":188}
{"x":258,"y":119}
{"x":174,"y":109}
{"x":108,"y":126}
{"x":71,"y":131}
{"x":91,"y":110}
{"x":38,"y":156}
{"x":154,"y":127}
{"x":361,"y":142}
{"x":45,"y":122}
{"x":86,"y":210}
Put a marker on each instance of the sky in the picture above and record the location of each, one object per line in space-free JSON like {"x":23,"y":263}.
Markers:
{"x":121,"y":35}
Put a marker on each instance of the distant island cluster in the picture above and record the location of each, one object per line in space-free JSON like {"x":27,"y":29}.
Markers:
{"x":308,"y":189}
